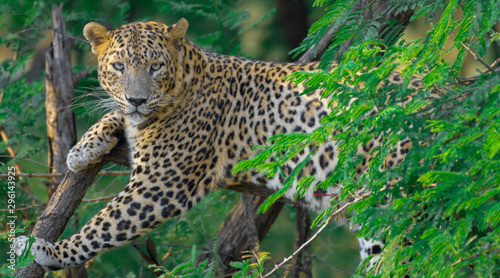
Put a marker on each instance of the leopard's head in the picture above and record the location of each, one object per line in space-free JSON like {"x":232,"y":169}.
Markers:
{"x":140,"y":65}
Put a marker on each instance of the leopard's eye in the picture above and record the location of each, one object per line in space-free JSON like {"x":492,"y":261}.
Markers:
{"x":118,"y":66}
{"x":156,"y":66}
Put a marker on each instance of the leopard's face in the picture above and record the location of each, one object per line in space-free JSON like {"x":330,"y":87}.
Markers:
{"x":139,"y":66}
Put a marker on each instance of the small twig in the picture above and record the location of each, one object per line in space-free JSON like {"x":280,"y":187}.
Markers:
{"x":37,"y":175}
{"x":477,"y":58}
{"x":379,"y":265}
{"x":5,"y":138}
{"x":467,"y":80}
{"x":78,"y":76}
{"x":10,"y":150}
{"x":329,"y":266}
{"x":470,"y":257}
{"x":285,"y":260}
{"x":494,"y":64}
{"x":471,"y":240}
{"x":158,"y":271}
{"x":115,"y":173}
{"x":27,"y":190}
{"x":25,"y":208}
{"x":34,"y":175}
{"x":100,"y":199}
{"x":27,"y":159}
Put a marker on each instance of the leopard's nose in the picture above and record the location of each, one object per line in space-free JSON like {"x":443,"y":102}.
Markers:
{"x":135,"y":101}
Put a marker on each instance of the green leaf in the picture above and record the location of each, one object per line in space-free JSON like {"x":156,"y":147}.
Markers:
{"x":492,"y":143}
{"x":492,"y":216}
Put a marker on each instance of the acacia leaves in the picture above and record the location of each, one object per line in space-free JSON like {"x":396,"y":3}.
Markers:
{"x":442,"y":218}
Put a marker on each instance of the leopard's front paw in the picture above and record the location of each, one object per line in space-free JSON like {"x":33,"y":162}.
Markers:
{"x":98,"y":141}
{"x":41,"y":249}
{"x":81,"y":157}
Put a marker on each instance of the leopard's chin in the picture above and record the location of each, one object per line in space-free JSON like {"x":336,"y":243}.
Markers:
{"x":136,"y":117}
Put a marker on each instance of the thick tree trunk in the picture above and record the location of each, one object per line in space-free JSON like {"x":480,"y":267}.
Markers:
{"x":59,"y":90}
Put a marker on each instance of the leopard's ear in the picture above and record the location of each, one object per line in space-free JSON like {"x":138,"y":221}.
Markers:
{"x":178,"y":30}
{"x":98,"y":36}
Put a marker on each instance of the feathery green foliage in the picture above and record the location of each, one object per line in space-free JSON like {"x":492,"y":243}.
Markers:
{"x":446,"y":206}
{"x":248,"y":269}
{"x":189,"y":269}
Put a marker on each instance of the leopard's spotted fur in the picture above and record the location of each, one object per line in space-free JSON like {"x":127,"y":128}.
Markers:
{"x":189,"y":115}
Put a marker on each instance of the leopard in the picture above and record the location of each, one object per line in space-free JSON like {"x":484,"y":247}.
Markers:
{"x":189,"y":116}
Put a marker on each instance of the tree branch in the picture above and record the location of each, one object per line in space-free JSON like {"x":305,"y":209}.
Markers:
{"x":64,"y":202}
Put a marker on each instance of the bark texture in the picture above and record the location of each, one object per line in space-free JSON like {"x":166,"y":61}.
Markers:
{"x":59,"y":91}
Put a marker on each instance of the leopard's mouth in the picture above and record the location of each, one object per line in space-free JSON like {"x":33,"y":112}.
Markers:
{"x":136,"y":111}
